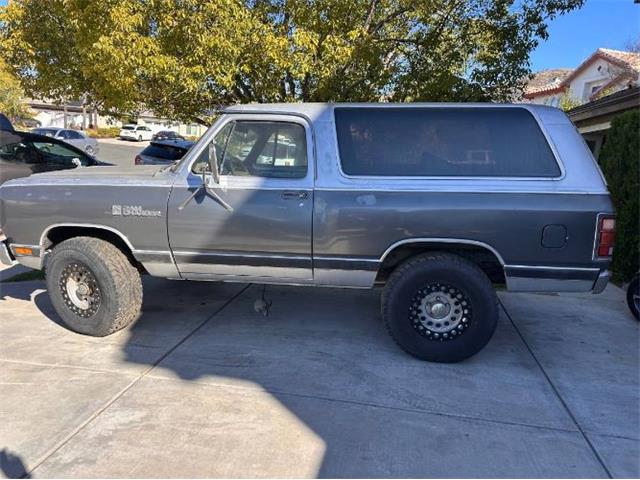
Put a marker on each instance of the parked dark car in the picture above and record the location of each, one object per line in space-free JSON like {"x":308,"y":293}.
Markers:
{"x":22,"y":154}
{"x":163,"y":152}
{"x":5,"y":123}
{"x":167,"y":135}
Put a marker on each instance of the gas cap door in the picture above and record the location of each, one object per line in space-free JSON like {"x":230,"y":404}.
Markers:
{"x":554,"y":236}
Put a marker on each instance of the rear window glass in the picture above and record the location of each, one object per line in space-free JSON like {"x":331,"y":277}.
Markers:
{"x":128,"y":127}
{"x":165,"y":152}
{"x":491,"y":142}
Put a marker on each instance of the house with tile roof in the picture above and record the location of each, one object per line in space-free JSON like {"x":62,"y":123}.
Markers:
{"x":604,"y":72}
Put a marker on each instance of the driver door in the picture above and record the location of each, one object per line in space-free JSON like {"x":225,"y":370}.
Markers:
{"x":261,"y":229}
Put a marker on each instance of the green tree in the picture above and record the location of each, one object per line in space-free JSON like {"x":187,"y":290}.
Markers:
{"x":184,"y":58}
{"x":11,"y":95}
{"x":620,"y":161}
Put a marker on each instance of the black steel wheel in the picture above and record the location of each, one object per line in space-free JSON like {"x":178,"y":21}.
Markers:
{"x":440,"y":307}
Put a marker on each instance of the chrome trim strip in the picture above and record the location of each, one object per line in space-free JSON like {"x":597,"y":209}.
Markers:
{"x":542,"y":267}
{"x":249,"y":255}
{"x":442,"y":240}
{"x":438,"y":189}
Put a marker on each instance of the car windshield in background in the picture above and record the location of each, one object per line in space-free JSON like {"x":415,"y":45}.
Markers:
{"x":49,"y":132}
{"x":128,"y":127}
{"x":166,"y":152}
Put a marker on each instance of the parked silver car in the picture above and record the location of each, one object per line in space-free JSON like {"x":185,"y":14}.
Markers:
{"x":73,"y":137}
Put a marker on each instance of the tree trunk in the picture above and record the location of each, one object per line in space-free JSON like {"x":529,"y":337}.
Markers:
{"x":64,"y":116}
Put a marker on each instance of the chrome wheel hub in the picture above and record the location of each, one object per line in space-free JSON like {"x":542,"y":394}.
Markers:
{"x":440,"y":311}
{"x":80,"y":290}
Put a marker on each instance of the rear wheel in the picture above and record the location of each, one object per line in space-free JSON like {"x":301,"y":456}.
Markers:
{"x":93,"y":286}
{"x":139,"y":138}
{"x":440,"y":307}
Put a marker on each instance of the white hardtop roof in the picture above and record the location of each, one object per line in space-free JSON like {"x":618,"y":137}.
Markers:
{"x":315,"y":111}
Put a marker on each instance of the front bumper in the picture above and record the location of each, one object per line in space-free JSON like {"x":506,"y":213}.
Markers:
{"x":5,"y":255}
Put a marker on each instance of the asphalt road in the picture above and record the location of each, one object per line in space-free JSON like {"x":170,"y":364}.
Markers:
{"x":119,"y":152}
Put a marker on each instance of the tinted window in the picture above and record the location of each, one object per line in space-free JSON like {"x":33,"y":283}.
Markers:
{"x":443,"y":142}
{"x":57,"y":154}
{"x":128,"y":127}
{"x":165,"y":152}
{"x":49,"y":132}
{"x":71,"y":135}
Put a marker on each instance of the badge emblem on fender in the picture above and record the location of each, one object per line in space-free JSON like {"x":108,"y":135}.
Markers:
{"x":133,"y":211}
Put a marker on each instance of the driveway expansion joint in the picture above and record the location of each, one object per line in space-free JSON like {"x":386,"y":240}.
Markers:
{"x":558,"y":395}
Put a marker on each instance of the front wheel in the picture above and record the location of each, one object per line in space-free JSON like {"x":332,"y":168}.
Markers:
{"x":93,"y":287}
{"x":440,"y":307}
{"x":139,"y":138}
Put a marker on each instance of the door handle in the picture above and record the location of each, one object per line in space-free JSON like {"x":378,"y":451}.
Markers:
{"x":301,"y":195}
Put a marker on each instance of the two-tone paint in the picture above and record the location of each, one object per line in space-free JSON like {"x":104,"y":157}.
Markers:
{"x":327,"y":228}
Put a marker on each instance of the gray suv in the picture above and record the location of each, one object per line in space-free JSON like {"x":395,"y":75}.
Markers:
{"x":434,"y":203}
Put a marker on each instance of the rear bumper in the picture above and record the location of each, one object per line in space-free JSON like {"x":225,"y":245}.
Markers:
{"x":601,"y":282}
{"x":522,"y":278}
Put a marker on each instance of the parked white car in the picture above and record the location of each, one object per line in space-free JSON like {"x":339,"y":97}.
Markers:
{"x":136,"y":132}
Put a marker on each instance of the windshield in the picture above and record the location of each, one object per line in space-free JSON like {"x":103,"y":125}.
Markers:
{"x":49,"y":132}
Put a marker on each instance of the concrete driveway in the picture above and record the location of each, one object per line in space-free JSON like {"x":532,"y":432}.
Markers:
{"x":202,"y":386}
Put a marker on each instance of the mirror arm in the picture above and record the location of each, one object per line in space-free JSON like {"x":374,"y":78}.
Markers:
{"x":211,"y":192}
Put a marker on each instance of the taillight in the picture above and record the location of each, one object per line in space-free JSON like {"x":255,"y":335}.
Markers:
{"x":138,"y":160}
{"x":605,"y":237}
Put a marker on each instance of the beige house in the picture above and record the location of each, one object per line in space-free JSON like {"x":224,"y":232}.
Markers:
{"x":605,"y":71}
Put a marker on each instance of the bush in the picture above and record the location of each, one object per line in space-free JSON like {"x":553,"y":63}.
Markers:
{"x":620,"y":160}
{"x":109,"y":132}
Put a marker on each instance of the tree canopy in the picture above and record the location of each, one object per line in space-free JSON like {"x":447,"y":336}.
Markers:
{"x":182,"y":58}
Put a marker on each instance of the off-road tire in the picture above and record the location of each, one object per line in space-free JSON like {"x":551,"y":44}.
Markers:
{"x":410,"y":278}
{"x":118,"y":281}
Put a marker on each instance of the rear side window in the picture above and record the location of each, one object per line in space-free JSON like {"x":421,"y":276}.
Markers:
{"x":165,"y":152}
{"x":458,"y":142}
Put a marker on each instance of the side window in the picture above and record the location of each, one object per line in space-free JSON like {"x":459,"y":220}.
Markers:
{"x":57,"y":154}
{"x":71,"y":135}
{"x":220,"y":142}
{"x":13,"y":148}
{"x":491,"y":142}
{"x":265,"y":149}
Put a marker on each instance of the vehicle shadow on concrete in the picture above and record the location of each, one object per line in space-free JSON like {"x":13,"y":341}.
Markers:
{"x":317,"y":388}
{"x":12,"y":465}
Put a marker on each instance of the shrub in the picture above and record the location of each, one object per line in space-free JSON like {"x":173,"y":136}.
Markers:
{"x":109,"y":132}
{"x":620,"y":160}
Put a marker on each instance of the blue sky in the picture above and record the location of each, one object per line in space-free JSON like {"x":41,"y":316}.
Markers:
{"x":575,"y":35}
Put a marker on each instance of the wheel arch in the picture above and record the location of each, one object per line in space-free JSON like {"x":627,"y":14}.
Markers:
{"x":59,"y":232}
{"x":481,"y":253}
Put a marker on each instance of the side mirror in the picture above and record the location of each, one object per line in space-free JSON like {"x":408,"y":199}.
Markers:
{"x":76,"y":161}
